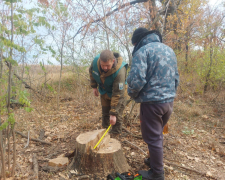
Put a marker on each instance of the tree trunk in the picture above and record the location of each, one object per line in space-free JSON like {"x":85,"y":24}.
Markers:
{"x":2,"y":153}
{"x":14,"y":151}
{"x":60,"y":76}
{"x":210,"y":68}
{"x":1,"y":65}
{"x":187,"y":39}
{"x":105,"y":26}
{"x":9,"y":88}
{"x":22,"y":73}
{"x":153,"y":13}
{"x":108,"y":157}
{"x":170,"y":8}
{"x":186,"y":56}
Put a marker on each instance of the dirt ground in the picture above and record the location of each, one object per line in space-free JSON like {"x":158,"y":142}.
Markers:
{"x":194,"y":147}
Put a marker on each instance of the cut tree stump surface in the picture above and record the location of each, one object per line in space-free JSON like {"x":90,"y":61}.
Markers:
{"x":108,"y":157}
{"x":112,"y":146}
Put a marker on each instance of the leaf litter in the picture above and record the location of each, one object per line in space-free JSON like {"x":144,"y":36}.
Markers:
{"x":191,"y":150}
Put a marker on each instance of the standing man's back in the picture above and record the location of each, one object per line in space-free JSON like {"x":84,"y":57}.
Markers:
{"x":153,"y":81}
{"x":153,"y":76}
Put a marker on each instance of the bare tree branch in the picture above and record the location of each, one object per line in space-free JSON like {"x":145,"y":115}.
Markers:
{"x":108,"y":14}
{"x":33,"y":139}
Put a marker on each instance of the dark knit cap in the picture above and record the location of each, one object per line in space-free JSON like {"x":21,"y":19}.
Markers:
{"x":141,"y":32}
{"x":138,"y":34}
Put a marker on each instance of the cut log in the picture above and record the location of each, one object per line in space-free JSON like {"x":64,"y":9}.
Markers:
{"x":107,"y":158}
{"x":60,"y":161}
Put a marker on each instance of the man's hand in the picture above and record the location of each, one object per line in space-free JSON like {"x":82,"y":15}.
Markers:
{"x":112,"y":119}
{"x":95,"y":91}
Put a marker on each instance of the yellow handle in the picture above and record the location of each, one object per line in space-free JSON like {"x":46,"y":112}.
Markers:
{"x":102,"y":136}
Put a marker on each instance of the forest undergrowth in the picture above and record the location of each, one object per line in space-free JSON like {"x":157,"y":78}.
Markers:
{"x":194,"y":147}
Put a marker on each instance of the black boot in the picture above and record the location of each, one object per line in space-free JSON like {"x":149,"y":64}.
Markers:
{"x":150,"y":175}
{"x":105,"y":123}
{"x":147,"y":162}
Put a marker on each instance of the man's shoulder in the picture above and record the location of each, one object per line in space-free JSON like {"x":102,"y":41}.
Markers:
{"x":155,"y":48}
{"x":120,"y":63}
{"x":148,"y":48}
{"x":122,"y":71}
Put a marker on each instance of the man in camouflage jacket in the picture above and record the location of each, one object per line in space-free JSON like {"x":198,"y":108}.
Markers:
{"x":153,"y":81}
{"x":108,"y":75}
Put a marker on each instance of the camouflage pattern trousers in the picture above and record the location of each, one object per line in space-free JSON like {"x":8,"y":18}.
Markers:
{"x":106,"y":102}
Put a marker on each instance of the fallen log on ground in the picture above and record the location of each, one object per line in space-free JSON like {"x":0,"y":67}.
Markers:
{"x":33,"y":139}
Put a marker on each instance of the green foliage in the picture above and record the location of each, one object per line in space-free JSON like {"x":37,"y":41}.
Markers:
{"x":10,"y":120}
{"x":10,"y":44}
{"x":216,"y":68}
{"x":38,"y":41}
{"x":12,"y":1}
{"x":4,"y":125}
{"x":5,"y":30}
{"x":51,"y":88}
{"x":42,"y":21}
{"x":27,"y":68}
{"x":52,"y":50}
{"x":13,"y":62}
{"x":24,"y":23}
{"x":28,"y":109}
{"x":3,"y":103}
{"x":49,"y":62}
{"x":3,"y":94}
{"x":188,"y":131}
{"x":42,"y":67}
{"x":1,"y":44}
{"x":23,"y":98}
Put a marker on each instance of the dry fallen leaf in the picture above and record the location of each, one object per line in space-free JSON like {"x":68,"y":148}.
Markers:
{"x":191,"y":158}
{"x":219,"y":163}
{"x":11,"y":178}
{"x":127,"y":148}
{"x":205,"y":117}
{"x":209,"y":174}
{"x":196,"y":159}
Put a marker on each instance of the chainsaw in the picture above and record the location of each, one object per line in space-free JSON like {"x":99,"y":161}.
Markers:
{"x":124,"y":176}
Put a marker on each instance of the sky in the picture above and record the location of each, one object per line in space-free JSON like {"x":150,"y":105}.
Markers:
{"x":28,"y":4}
{"x":215,"y":2}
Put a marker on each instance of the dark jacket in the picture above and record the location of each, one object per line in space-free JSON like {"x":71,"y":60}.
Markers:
{"x":153,"y":76}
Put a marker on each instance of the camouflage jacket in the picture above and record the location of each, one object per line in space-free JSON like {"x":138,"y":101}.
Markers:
{"x":153,"y":77}
{"x":118,"y":90}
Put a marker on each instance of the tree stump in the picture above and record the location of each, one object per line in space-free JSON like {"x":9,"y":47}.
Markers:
{"x":107,"y":158}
